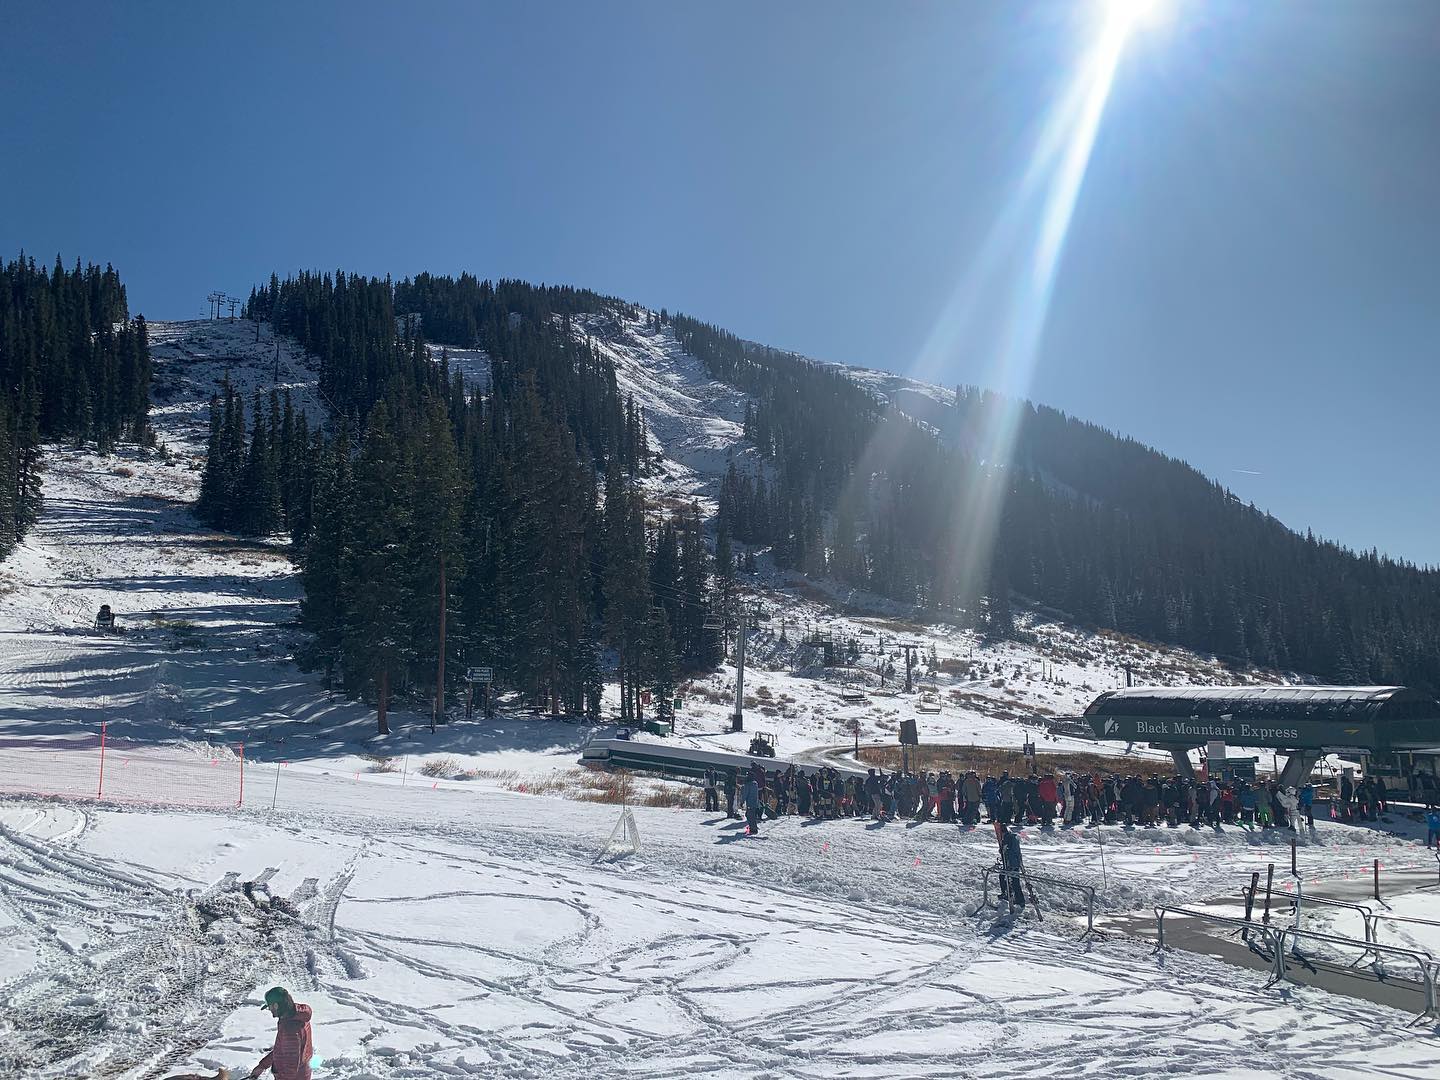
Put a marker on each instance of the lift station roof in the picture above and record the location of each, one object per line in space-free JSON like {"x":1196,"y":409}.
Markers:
{"x":1375,"y":718}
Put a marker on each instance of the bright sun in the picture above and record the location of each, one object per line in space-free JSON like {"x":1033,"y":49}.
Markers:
{"x":1126,"y":16}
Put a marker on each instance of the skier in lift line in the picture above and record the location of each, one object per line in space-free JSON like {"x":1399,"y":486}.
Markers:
{"x":1012,"y":865}
{"x":753,"y":805}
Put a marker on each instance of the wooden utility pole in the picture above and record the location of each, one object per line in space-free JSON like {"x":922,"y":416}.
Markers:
{"x":440,"y":673}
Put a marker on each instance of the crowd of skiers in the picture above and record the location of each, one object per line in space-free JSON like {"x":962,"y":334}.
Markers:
{"x":1030,"y":799}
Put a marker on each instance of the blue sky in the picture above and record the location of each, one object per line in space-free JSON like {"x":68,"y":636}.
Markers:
{"x":1249,"y":279}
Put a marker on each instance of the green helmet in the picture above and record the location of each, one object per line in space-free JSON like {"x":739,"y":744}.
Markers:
{"x":278,"y":995}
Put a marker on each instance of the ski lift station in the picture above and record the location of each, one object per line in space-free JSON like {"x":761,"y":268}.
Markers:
{"x":1396,"y":729}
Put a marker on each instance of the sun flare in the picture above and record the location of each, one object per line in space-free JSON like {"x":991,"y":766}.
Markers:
{"x":1128,"y":16}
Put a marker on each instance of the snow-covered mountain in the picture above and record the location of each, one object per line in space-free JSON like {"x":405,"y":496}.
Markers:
{"x":118,"y":530}
{"x":445,"y":919}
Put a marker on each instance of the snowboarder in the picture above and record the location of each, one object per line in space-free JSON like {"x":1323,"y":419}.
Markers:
{"x":730,"y":795}
{"x":289,"y":1058}
{"x":1432,"y":826}
{"x":712,"y":793}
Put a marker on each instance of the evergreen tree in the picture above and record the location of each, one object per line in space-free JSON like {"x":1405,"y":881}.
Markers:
{"x":436,"y":553}
{"x":328,"y":563}
{"x":257,"y":509}
{"x":660,"y":664}
{"x":376,"y":627}
{"x":727,"y":592}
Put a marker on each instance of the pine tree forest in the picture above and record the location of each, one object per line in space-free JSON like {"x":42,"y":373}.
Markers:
{"x":73,"y":366}
{"x":517,"y":505}
{"x":1100,"y":529}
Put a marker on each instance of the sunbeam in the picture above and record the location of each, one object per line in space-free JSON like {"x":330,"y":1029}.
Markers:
{"x":1034,"y":222}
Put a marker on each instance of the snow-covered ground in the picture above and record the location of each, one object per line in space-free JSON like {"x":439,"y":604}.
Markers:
{"x":455,"y":923}
{"x":443,"y":933}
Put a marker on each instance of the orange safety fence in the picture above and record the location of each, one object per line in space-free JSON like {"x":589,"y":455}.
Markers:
{"x":110,"y":770}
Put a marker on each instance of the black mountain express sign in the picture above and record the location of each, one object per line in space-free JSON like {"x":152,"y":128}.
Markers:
{"x":1283,"y":735}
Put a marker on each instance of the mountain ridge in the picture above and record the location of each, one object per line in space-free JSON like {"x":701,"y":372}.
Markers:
{"x":1116,"y":534}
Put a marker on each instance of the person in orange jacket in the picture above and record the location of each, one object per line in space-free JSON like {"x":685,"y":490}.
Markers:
{"x":289,"y":1058}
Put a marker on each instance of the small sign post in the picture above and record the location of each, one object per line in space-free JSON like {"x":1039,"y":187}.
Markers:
{"x":483,"y":675}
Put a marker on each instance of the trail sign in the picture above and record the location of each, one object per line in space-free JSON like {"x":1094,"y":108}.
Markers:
{"x":480,"y":674}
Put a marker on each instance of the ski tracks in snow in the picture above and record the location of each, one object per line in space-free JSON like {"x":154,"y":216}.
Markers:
{"x":135,"y":977}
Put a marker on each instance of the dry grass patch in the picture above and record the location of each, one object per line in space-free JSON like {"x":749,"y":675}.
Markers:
{"x":616,"y":786}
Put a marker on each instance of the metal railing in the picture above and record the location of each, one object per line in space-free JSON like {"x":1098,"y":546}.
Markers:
{"x":1276,"y":936}
{"x":1437,"y":870}
{"x":1371,"y":918}
{"x":1423,"y":960}
{"x":1295,"y":901}
{"x":1380,"y":916}
{"x":1044,"y":879}
{"x":1267,"y":933}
